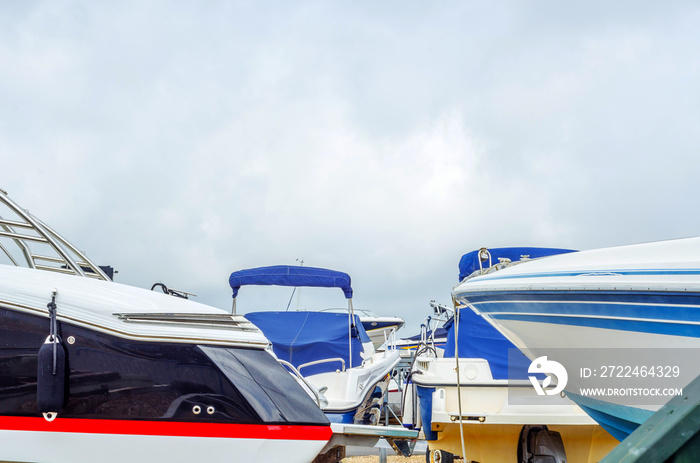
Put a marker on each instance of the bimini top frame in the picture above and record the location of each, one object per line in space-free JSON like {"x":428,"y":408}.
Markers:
{"x":296,"y":276}
{"x":20,"y":231}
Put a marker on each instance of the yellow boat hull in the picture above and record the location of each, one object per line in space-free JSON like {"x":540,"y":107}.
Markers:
{"x":497,"y":443}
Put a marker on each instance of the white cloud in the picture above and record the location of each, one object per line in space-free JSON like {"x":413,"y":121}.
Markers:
{"x":182,"y":141}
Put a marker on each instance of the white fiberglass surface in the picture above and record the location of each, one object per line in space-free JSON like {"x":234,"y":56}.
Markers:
{"x":95,"y":302}
{"x":644,"y":266}
{"x":536,"y":337}
{"x":26,"y":446}
{"x":347,"y":389}
{"x":494,"y":403}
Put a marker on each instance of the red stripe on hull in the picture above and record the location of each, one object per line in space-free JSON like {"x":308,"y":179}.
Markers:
{"x":166,"y":428}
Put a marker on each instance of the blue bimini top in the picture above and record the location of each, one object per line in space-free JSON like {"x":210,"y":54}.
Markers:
{"x":290,"y":275}
{"x":302,"y":337}
{"x":469,"y":263}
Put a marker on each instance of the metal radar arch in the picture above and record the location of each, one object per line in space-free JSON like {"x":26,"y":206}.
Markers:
{"x":26,"y":241}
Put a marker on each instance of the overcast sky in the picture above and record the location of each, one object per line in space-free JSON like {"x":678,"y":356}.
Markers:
{"x":182,"y":140}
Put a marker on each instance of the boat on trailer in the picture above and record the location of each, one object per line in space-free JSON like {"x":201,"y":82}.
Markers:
{"x":329,"y":351}
{"x":92,"y":370}
{"x":622,"y":318}
{"x":477,"y":400}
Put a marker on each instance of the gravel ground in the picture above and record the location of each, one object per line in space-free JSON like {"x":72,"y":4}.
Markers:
{"x":389,"y":459}
{"x":371,"y":455}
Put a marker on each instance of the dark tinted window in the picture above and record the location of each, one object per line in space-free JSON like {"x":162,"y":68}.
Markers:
{"x":269,"y":388}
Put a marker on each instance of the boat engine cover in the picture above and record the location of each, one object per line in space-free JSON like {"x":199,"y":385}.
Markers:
{"x":538,"y":444}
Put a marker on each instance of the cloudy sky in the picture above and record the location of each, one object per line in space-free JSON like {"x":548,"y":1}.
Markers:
{"x":182,"y":140}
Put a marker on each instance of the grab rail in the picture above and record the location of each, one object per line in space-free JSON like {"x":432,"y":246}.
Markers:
{"x":298,"y":375}
{"x":316,"y":362}
{"x":390,"y":339}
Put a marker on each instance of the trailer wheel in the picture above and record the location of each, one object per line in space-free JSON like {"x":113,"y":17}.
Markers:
{"x":438,"y":456}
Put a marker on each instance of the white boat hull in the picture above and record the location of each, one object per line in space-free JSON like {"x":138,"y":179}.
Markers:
{"x":356,"y":392}
{"x":630,"y":307}
{"x":379,"y":329}
{"x":111,"y":441}
{"x":536,"y":338}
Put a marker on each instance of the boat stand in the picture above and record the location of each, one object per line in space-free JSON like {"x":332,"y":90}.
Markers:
{"x":402,"y":440}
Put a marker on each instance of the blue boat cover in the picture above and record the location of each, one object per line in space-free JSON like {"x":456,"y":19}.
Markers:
{"x":478,"y":339}
{"x":290,"y":275}
{"x":469,"y":263}
{"x":302,"y":337}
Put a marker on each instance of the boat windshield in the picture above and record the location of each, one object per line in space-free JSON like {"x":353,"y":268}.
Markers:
{"x":360,"y":312}
{"x":266,"y":385}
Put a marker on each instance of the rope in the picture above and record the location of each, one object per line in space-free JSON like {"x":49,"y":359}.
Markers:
{"x":169,"y":291}
{"x":53,"y":329}
{"x":459,"y":386}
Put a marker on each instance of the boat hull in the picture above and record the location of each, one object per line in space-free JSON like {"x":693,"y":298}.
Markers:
{"x":379,"y":328}
{"x":134,"y":401}
{"x":493,"y":413}
{"x":498,"y":443}
{"x":619,"y":420}
{"x":632,"y":306}
{"x":29,"y":439}
{"x":355,"y":396}
{"x":614,"y":413}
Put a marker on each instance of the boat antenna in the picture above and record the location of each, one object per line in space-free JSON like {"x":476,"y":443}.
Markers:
{"x":301,"y":264}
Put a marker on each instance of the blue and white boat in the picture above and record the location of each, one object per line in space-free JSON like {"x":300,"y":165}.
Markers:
{"x":609,"y":316}
{"x":329,"y":351}
{"x":477,"y":401}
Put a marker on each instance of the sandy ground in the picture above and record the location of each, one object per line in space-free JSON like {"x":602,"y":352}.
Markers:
{"x":390,"y":459}
{"x":371,"y":455}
